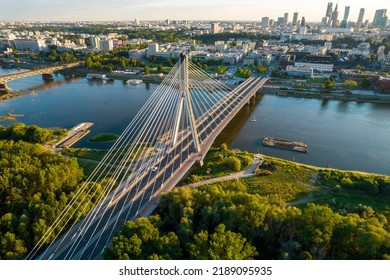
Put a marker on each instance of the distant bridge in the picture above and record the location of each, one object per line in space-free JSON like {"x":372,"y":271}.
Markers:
{"x":46,"y":73}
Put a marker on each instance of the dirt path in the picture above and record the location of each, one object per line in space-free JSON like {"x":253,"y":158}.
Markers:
{"x":249,"y":172}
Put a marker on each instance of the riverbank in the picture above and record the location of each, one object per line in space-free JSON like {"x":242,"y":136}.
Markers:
{"x":339,"y":96}
{"x":272,"y":89}
{"x":10,"y":117}
{"x":79,"y":72}
{"x":299,"y":184}
{"x":83,"y":72}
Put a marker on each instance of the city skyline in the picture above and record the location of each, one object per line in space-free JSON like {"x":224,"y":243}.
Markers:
{"x":128,"y":10}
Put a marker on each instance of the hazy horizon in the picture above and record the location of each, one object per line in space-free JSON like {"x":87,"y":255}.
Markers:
{"x":200,"y":10}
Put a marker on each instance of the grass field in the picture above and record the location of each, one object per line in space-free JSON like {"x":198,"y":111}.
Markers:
{"x":286,"y":179}
{"x":296,"y":184}
{"x":107,"y":137}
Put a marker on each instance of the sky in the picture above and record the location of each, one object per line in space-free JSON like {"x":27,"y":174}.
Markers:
{"x":128,"y":10}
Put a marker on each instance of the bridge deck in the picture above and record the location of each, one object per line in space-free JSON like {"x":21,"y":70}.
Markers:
{"x":40,"y":71}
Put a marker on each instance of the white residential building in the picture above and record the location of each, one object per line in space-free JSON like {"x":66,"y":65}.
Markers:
{"x":32,"y":45}
{"x":107,"y":45}
{"x":299,"y":71}
{"x":315,"y":66}
{"x":153,"y":49}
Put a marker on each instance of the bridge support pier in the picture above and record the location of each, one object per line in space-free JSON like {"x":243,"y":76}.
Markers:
{"x":199,"y":162}
{"x":48,"y":77}
{"x":4,"y":88}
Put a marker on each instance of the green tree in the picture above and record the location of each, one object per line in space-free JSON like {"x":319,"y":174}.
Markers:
{"x":221,"y":245}
{"x":146,"y":70}
{"x":35,"y":186}
{"x":11,"y":247}
{"x":142,"y":240}
{"x":232,"y":163}
{"x":317,"y":224}
{"x":361,"y":68}
{"x":159,"y":68}
{"x":88,"y":63}
{"x":123,"y":63}
{"x":222,"y":69}
{"x":350,"y":84}
{"x":244,"y":72}
{"x":261,"y":69}
{"x":366,"y":83}
{"x":224,"y":147}
{"x":329,"y":83}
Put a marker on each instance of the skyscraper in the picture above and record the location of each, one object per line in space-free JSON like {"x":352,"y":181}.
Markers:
{"x":285,"y":18}
{"x":335,"y":16}
{"x":303,"y":21}
{"x":346,"y":15}
{"x":360,"y":18}
{"x":265,"y":22}
{"x":280,"y":21}
{"x":329,"y":10}
{"x":326,"y":20}
{"x":380,"y":18}
{"x":346,"y":12}
{"x":295,"y":19}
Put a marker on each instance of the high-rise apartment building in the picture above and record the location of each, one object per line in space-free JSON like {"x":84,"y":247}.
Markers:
{"x":326,"y":20}
{"x":95,"y":41}
{"x":265,"y":22}
{"x":295,"y":19}
{"x":285,"y":18}
{"x":214,"y":28}
{"x":359,"y":22}
{"x":329,"y":10}
{"x":335,"y":16}
{"x":153,"y":49}
{"x":380,"y":18}
{"x":281,"y":21}
{"x":107,"y":45}
{"x":345,"y":18}
{"x":346,"y":12}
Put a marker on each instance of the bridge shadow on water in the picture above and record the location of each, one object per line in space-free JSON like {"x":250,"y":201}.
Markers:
{"x":46,"y":84}
{"x":229,"y":133}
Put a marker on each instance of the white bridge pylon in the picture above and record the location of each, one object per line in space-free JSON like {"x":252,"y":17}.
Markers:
{"x":185,"y":100}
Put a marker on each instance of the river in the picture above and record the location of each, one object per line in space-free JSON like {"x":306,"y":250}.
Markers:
{"x":344,"y":135}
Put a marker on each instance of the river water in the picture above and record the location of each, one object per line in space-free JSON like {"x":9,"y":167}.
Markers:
{"x":345,"y":135}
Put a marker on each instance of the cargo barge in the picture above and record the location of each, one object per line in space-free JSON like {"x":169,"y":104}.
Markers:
{"x":285,"y":144}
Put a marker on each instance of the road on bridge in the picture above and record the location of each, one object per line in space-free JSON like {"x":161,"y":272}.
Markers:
{"x":39,"y":71}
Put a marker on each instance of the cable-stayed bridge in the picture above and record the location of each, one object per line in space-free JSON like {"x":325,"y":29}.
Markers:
{"x":172,"y":132}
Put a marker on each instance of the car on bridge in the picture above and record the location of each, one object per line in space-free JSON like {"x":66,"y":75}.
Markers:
{"x":154,"y":168}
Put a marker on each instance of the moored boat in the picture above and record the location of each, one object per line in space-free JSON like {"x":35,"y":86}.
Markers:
{"x":134,"y":82}
{"x":92,"y":76}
